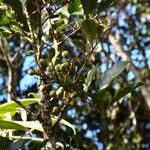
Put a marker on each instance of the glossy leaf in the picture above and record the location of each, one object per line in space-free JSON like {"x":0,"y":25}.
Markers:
{"x":125,"y":90}
{"x":34,"y":125}
{"x":12,"y":106}
{"x":64,"y":122}
{"x":110,"y":74}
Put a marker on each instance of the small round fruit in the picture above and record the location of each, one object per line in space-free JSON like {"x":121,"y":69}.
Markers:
{"x":42,"y":62}
{"x":59,"y":91}
{"x":58,"y":67}
{"x":74,"y":95}
{"x":31,"y":72}
{"x":52,"y":94}
{"x":65,"y":54}
{"x":30,"y":52}
{"x":44,"y":87}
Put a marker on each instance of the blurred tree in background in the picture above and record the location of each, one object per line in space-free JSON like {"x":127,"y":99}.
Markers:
{"x":58,"y":51}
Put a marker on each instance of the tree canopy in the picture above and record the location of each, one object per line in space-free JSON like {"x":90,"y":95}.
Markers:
{"x":74,"y":74}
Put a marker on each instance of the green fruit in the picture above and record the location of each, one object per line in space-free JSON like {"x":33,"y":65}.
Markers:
{"x":42,"y":62}
{"x":31,"y":72}
{"x":65,"y":54}
{"x":65,"y":66}
{"x":30,"y":52}
{"x":44,"y":87}
{"x":50,"y":69}
{"x":59,"y":91}
{"x":74,"y":95}
{"x":55,"y":60}
{"x":58,"y":67}
{"x":52,"y":94}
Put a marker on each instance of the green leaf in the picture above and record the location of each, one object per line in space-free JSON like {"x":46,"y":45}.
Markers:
{"x":105,"y":4}
{"x":16,"y":5}
{"x":11,"y":125}
{"x":33,"y":139}
{"x":79,"y":44}
{"x":64,"y":122}
{"x":110,"y":74}
{"x":102,"y":96}
{"x":12,"y":106}
{"x":90,"y":29}
{"x":33,"y":95}
{"x":74,"y":6}
{"x":89,"y":6}
{"x":90,"y":77}
{"x":125,"y":90}
{"x":34,"y":125}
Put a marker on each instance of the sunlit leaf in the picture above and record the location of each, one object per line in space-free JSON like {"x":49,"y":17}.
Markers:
{"x":12,"y":106}
{"x":33,"y":125}
{"x":11,"y":125}
{"x":110,"y":74}
{"x":90,"y":76}
{"x":64,"y":122}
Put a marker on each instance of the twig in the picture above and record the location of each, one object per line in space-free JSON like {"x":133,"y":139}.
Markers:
{"x":60,"y":116}
{"x":85,"y":62}
{"x":69,"y":36}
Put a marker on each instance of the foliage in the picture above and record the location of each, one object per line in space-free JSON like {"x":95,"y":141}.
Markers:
{"x":67,"y":42}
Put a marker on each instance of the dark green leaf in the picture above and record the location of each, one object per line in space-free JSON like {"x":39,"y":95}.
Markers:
{"x":73,"y":6}
{"x":125,"y":90}
{"x":104,"y":4}
{"x":90,"y":29}
{"x":16,"y":5}
{"x":89,"y":6}
{"x":103,"y":96}
{"x":110,"y":74}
